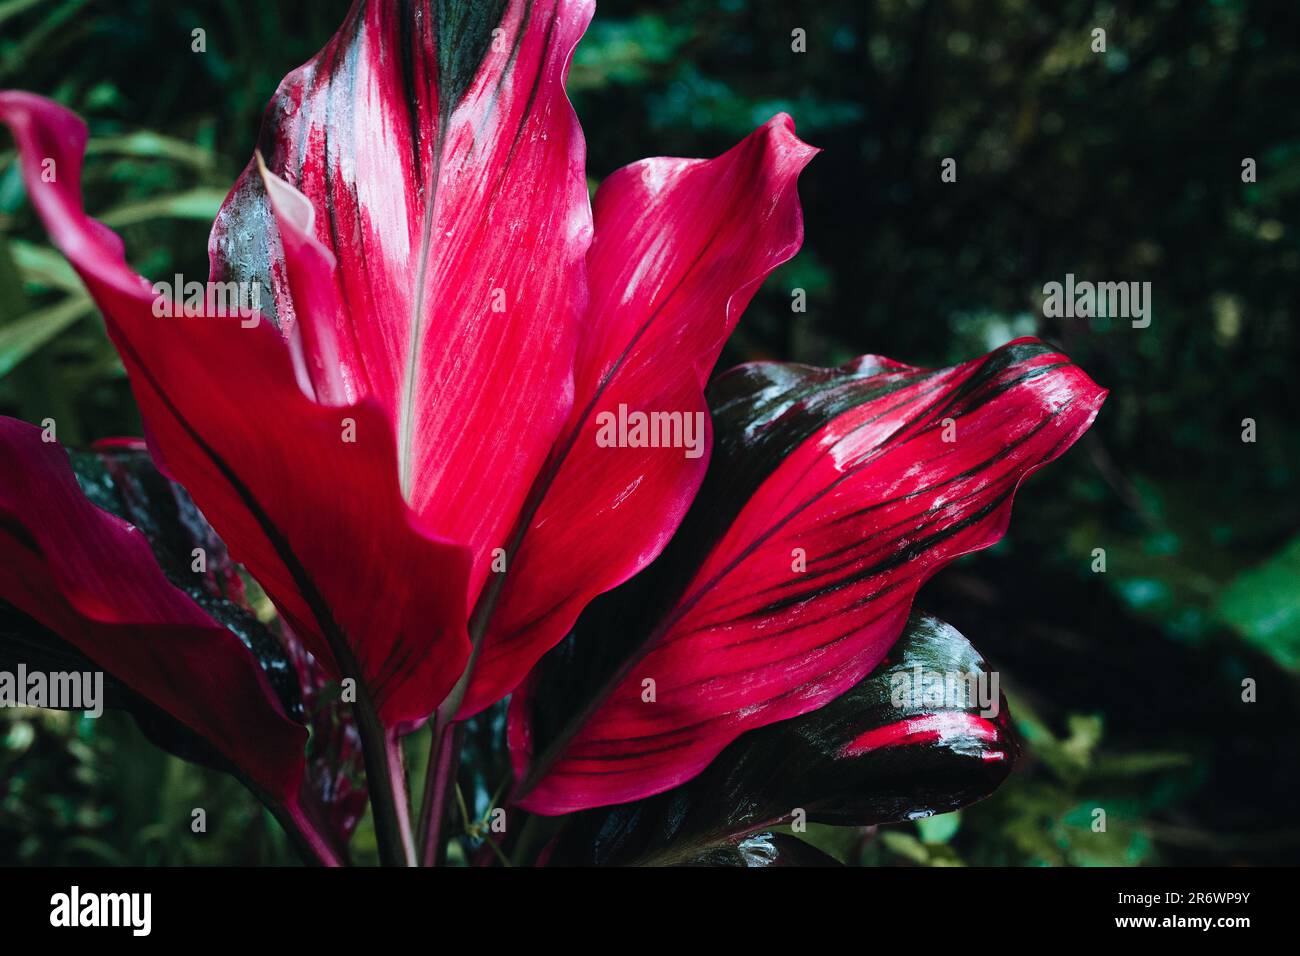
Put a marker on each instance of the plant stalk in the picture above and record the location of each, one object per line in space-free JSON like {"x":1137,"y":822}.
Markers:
{"x":440,"y":778}
{"x":444,"y":748}
{"x":386,"y":782}
{"x":304,"y":835}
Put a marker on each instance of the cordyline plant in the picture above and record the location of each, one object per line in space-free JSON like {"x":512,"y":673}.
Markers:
{"x":469,"y":414}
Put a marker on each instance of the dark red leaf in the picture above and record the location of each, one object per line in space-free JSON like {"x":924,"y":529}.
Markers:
{"x":91,"y":578}
{"x":835,"y":495}
{"x":118,"y":476}
{"x":892,"y":748}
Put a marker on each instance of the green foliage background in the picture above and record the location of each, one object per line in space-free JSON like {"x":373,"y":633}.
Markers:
{"x":1117,"y":166}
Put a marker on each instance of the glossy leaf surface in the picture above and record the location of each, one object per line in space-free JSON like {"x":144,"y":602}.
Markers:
{"x":835,"y":494}
{"x":681,"y":246}
{"x":895,"y":747}
{"x":428,"y":249}
{"x":92,"y":579}
{"x":227,"y":417}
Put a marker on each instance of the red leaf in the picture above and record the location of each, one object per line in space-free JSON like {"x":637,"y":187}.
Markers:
{"x":681,"y":247}
{"x":92,"y":579}
{"x":442,"y":275}
{"x":888,"y":749}
{"x":318,"y":520}
{"x":837,"y":494}
{"x":421,"y":228}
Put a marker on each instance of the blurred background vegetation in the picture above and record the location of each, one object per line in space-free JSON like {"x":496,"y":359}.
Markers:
{"x":1115,"y":166}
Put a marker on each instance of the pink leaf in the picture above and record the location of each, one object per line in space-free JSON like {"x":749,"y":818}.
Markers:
{"x":681,"y":247}
{"x":304,"y":493}
{"x":442,"y":274}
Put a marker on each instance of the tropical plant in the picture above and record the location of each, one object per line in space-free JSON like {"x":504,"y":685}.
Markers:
{"x":466,"y":449}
